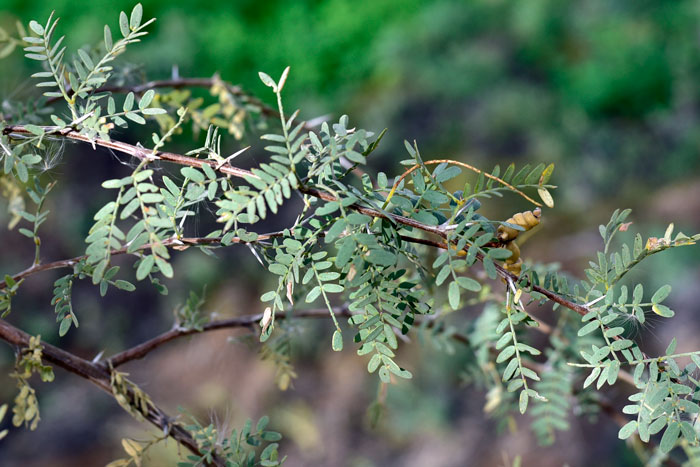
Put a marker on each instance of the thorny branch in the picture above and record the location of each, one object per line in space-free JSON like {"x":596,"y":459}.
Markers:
{"x":125,"y":148}
{"x":99,"y":375}
{"x":142,"y":153}
{"x":248,"y":321}
{"x":180,"y":243}
{"x":67,"y":360}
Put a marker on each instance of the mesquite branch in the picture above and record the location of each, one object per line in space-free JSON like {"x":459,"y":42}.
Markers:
{"x":142,"y":153}
{"x":179,"y":243}
{"x":384,"y":306}
{"x":99,"y":375}
{"x":141,"y":350}
{"x":125,"y":148}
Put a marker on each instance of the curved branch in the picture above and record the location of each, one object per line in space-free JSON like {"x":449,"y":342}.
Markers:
{"x":461,"y":164}
{"x":181,"y":243}
{"x":248,"y":321}
{"x":141,"y":350}
{"x":130,"y":149}
{"x":99,"y":375}
{"x":142,"y":153}
{"x":178,"y":243}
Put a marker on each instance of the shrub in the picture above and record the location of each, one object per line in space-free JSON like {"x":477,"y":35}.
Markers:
{"x":384,"y":257}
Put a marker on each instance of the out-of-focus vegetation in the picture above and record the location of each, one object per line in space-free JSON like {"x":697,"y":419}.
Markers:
{"x":608,"y":90}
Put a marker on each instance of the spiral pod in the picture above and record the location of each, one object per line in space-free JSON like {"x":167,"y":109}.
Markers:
{"x":513,"y":268}
{"x":514,"y":263}
{"x":515,"y":252}
{"x":526,"y":220}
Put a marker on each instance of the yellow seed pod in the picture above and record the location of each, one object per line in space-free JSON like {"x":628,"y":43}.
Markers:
{"x":526,"y":220}
{"x":514,"y":268}
{"x":513,"y":248}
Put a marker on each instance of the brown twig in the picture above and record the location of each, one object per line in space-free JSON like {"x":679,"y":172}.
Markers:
{"x":183,"y":242}
{"x":193,"y":162}
{"x":99,"y":375}
{"x":141,"y":350}
{"x":505,"y":274}
{"x":461,"y":164}
{"x":135,"y":151}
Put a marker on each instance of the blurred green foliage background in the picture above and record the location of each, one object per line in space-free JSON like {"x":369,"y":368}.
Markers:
{"x":607,"y":87}
{"x":608,"y":90}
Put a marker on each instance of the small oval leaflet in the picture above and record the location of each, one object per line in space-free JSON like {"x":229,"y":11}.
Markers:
{"x":337,"y":341}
